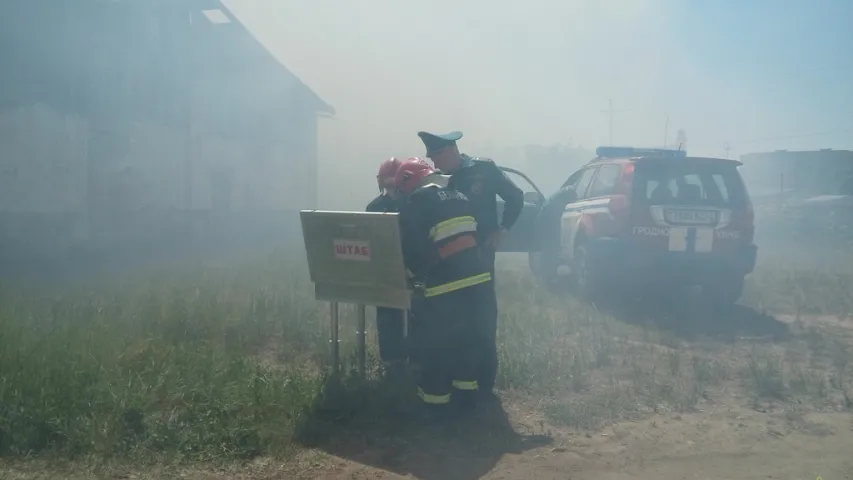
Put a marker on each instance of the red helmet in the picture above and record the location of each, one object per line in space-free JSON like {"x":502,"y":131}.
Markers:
{"x":387,"y":170}
{"x":411,"y":173}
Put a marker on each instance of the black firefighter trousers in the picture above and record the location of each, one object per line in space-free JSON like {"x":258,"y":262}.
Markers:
{"x":390,"y":328}
{"x":446,"y":341}
{"x":487,"y":371}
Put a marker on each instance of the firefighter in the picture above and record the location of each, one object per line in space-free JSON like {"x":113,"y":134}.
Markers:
{"x":390,"y":322}
{"x":453,"y":285}
{"x":481,"y":181}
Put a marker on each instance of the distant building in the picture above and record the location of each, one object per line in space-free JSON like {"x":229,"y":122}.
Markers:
{"x":814,"y":172}
{"x":125,"y":120}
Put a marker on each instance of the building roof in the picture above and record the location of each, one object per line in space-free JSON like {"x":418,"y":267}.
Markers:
{"x":246,"y":52}
{"x":141,"y":58}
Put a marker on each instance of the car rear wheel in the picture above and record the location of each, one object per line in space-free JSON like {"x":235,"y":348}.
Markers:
{"x":724,"y":292}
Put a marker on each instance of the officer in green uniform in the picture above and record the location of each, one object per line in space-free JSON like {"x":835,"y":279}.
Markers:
{"x":482,"y":182}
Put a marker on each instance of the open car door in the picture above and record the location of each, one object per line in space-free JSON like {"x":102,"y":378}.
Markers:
{"x":521,"y":237}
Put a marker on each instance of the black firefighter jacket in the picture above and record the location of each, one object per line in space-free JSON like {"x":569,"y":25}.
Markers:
{"x":438,"y":231}
{"x":383,"y":204}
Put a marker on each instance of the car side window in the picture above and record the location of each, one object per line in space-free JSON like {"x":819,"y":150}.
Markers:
{"x":605,"y":181}
{"x":584,"y":182}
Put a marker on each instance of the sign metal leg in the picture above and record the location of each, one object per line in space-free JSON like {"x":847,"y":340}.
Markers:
{"x":406,"y":334}
{"x":361,"y":338}
{"x":334,"y":341}
{"x":405,"y":323}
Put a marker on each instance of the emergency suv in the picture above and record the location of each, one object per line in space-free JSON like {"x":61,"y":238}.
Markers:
{"x":643,"y":219}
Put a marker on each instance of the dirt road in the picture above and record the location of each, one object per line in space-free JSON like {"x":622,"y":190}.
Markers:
{"x":727,"y":443}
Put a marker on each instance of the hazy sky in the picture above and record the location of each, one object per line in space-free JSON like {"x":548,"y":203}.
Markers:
{"x":542,"y":71}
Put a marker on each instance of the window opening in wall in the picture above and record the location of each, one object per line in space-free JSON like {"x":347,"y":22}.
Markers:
{"x":217,"y":16}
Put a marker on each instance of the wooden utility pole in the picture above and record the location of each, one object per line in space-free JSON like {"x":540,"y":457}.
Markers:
{"x":610,"y":111}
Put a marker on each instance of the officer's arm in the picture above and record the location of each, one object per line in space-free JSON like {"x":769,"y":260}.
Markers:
{"x":512,"y":196}
{"x":414,"y":233}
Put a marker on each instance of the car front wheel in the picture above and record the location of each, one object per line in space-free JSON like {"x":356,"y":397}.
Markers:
{"x":543,"y":266}
{"x":588,"y":279}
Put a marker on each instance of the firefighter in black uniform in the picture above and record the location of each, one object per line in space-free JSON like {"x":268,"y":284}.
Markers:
{"x":452,"y":287}
{"x":481,"y":181}
{"x":390,"y":326}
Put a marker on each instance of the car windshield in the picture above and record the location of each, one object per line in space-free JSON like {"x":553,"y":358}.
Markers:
{"x":715,"y":184}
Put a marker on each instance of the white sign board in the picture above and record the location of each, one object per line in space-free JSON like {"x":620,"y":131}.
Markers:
{"x":355,"y":257}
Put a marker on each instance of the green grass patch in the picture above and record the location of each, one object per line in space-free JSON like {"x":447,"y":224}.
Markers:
{"x":166,"y":365}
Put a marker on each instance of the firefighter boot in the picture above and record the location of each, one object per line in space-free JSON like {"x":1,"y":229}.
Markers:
{"x":463,"y":402}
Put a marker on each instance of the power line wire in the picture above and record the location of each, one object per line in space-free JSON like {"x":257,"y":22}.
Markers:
{"x":610,"y":111}
{"x":796,"y":135}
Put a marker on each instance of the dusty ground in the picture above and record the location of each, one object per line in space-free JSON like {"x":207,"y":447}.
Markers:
{"x":724,"y":441}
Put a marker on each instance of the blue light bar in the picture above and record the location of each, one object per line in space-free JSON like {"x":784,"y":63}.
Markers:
{"x":616,"y":152}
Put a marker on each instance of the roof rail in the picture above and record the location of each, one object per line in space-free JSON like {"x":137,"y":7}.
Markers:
{"x":616,"y":152}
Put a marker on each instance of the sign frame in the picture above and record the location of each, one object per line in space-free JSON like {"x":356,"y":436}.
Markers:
{"x":355,"y":257}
